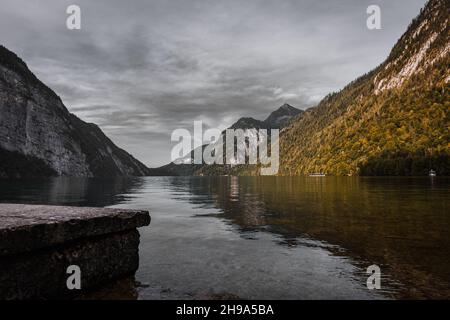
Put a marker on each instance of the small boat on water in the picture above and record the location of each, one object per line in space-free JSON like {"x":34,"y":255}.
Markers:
{"x":432,"y":173}
{"x":317,"y":174}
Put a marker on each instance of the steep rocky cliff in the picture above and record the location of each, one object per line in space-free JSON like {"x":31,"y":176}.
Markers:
{"x":39,"y":137}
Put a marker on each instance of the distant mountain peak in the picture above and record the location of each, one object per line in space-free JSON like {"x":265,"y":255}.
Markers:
{"x":247,"y":123}
{"x":276,"y":120}
{"x":281,"y":116}
{"x":287,"y":106}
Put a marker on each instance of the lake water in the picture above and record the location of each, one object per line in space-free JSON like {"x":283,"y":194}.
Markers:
{"x":272,"y":237}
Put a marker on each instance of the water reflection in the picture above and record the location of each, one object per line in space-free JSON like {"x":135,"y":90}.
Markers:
{"x":273,"y":237}
{"x":96,"y":192}
{"x":401,"y":224}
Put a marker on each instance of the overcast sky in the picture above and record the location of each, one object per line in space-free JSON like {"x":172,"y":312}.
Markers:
{"x":140,"y":69}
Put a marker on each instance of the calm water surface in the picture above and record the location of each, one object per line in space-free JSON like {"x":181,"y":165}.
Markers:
{"x":272,"y":237}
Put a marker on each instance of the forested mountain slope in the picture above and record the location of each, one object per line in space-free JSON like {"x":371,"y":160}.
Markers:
{"x":391,"y":121}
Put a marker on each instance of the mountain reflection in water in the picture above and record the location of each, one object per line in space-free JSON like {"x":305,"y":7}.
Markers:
{"x":273,"y":237}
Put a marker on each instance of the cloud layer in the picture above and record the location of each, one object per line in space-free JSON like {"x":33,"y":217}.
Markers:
{"x":140,"y":69}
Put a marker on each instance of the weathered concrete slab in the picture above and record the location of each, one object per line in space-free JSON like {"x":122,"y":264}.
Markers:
{"x":38,"y":244}
{"x":26,"y":228}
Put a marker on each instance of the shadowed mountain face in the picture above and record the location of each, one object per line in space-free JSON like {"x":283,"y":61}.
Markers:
{"x":391,"y":121}
{"x":39,"y":137}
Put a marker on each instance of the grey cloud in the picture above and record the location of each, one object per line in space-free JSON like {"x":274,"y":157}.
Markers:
{"x":143,"y":68}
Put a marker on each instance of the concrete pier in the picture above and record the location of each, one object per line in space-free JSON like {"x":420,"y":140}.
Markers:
{"x":38,"y":244}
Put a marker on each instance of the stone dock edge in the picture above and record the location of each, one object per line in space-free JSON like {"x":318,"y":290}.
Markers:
{"x":39,"y":242}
